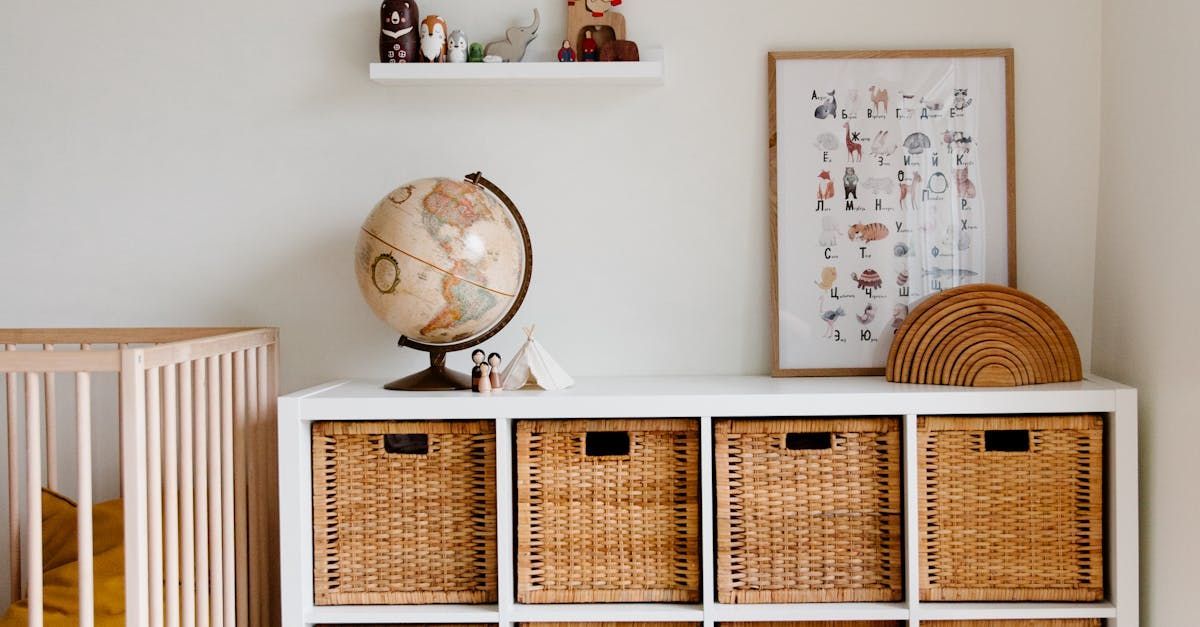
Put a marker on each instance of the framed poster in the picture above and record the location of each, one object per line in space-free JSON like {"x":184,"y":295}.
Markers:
{"x":892,"y":178}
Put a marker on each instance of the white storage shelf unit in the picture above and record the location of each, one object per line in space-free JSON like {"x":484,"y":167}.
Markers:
{"x":706,"y":398}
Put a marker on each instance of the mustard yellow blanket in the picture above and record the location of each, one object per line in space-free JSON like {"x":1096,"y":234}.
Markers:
{"x":60,"y":566}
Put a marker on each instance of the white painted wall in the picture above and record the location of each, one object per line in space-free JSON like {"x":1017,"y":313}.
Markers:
{"x":1145,"y":309}
{"x":171,"y":163}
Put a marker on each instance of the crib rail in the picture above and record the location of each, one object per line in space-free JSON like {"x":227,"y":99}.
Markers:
{"x":196,"y":411}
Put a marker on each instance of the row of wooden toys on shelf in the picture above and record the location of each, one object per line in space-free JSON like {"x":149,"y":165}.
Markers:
{"x":597,"y":32}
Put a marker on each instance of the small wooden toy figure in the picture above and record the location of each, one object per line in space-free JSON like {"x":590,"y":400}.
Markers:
{"x":475,"y":53}
{"x":566,"y":54}
{"x":433,"y":39}
{"x":458,"y":47}
{"x":478,"y":357}
{"x":398,"y":38}
{"x":485,"y":380}
{"x":596,"y":17}
{"x":589,"y":51}
{"x":494,"y":362}
{"x":516,"y":41}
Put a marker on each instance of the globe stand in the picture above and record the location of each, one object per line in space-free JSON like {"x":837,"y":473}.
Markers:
{"x":436,"y":378}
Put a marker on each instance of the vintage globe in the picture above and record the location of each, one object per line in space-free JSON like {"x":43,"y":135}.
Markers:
{"x":445,"y":263}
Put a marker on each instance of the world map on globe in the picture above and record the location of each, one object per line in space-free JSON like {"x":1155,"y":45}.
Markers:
{"x":441,"y":261}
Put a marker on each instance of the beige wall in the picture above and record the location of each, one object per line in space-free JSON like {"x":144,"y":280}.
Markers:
{"x":167,"y":163}
{"x":211,"y":163}
{"x":1149,"y":231}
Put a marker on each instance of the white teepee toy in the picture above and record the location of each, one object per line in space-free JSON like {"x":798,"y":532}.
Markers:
{"x":532,"y":365}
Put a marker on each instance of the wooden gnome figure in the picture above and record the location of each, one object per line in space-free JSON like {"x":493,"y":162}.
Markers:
{"x":494,"y":363}
{"x":398,"y":38}
{"x":589,"y":51}
{"x":434,"y":37}
{"x":477,"y":356}
{"x":566,"y":54}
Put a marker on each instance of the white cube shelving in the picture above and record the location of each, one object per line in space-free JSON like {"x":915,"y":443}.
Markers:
{"x":705,"y":398}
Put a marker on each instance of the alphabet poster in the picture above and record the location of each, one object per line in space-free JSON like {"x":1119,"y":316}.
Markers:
{"x":892,"y":180}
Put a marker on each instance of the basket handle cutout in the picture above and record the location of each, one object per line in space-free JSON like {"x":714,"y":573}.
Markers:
{"x":406,"y":443}
{"x":1007,"y":441}
{"x":821,"y":441}
{"x":606,"y":443}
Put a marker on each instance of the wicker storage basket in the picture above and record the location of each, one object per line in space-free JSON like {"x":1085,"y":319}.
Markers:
{"x":808,"y":510}
{"x":404,"y":512}
{"x":1055,"y":622}
{"x":609,"y":623}
{"x":1041,"y":622}
{"x":822,"y":623}
{"x":1011,"y":508}
{"x":608,"y":511}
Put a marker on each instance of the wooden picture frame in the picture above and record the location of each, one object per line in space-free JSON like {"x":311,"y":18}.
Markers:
{"x":962,"y":103}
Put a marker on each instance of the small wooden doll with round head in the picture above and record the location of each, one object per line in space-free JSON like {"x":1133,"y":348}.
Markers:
{"x":494,"y":361}
{"x":485,"y":381}
{"x":478,"y":357}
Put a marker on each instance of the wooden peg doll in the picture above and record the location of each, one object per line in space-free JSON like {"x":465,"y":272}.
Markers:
{"x":477,"y":356}
{"x":494,"y":361}
{"x":566,"y":54}
{"x":485,"y":380}
{"x":589,"y":50}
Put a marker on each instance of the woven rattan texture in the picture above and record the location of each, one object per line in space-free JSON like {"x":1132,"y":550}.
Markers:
{"x":822,"y":623}
{"x":621,"y":528}
{"x":607,"y":623}
{"x":809,"y":526}
{"x":404,"y":528}
{"x":1010,"y":525}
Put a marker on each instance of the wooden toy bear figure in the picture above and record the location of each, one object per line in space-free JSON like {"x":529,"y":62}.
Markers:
{"x":433,"y":39}
{"x":398,"y":38}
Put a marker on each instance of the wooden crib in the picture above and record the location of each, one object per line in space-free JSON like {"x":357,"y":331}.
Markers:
{"x":196,"y":412}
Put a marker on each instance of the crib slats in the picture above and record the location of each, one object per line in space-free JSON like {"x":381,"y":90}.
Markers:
{"x":215,"y":580}
{"x":14,"y":477}
{"x":134,"y":487}
{"x":197,"y":444}
{"x":171,"y":491}
{"x":154,"y":494}
{"x":200,"y":418}
{"x":187,"y":516}
{"x":33,"y":487}
{"x":121,"y":423}
{"x":254,"y":480}
{"x":241,"y":551}
{"x":83,"y":465}
{"x":268,"y":371}
{"x":51,"y":426}
{"x":229,"y":585}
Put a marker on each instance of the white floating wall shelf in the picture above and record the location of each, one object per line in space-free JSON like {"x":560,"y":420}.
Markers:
{"x":649,"y":71}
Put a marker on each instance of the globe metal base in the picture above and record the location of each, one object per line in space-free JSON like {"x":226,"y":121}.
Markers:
{"x":436,"y":378}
